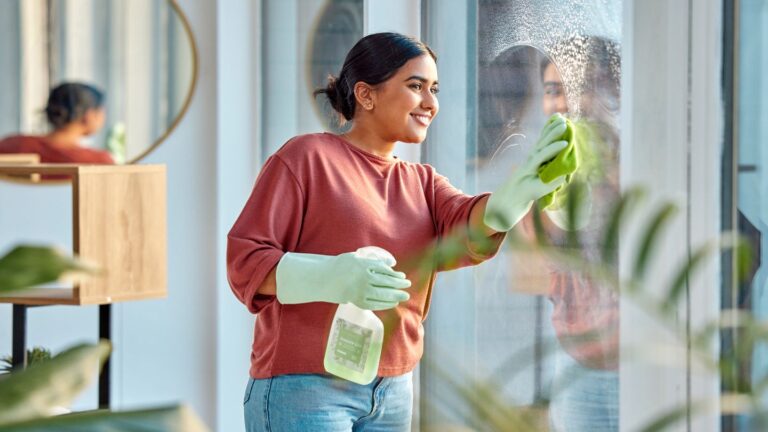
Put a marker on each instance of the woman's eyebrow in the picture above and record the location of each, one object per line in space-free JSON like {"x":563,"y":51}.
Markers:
{"x":418,"y":78}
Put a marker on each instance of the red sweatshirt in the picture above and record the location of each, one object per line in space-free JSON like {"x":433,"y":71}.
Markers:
{"x":320,"y":194}
{"x":50,"y":153}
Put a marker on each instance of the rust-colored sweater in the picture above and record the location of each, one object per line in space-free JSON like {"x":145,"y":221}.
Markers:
{"x":320,"y":194}
{"x":50,"y":153}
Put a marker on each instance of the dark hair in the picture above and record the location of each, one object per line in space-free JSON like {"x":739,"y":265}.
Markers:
{"x":68,"y":102}
{"x":506,"y":85}
{"x":373,"y":60}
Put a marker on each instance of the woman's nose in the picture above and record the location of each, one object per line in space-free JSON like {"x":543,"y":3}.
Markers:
{"x":429,"y":101}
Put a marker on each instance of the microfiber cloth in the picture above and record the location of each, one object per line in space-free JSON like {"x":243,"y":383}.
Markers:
{"x":564,"y":164}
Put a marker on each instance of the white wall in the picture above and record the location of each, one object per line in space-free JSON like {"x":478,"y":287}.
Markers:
{"x":167,"y":348}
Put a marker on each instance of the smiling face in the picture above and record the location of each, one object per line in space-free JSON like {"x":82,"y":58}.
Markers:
{"x":554,"y":93}
{"x":405,"y":104}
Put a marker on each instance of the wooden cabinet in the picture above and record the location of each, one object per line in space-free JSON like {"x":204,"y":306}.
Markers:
{"x":118,"y":223}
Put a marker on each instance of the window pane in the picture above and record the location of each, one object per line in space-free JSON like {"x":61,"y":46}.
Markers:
{"x":748,"y":210}
{"x":539,"y":336}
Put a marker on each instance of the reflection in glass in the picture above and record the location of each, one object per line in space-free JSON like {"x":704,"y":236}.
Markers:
{"x":136,"y":51}
{"x":544,"y":337}
{"x":579,"y":375}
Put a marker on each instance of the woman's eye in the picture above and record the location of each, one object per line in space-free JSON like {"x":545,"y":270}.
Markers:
{"x":415,"y":86}
{"x":434,"y":90}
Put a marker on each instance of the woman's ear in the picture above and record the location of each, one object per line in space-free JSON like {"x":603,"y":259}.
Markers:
{"x":364,"y":96}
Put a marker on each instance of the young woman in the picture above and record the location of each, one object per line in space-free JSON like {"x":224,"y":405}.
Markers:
{"x":321,"y":197}
{"x":74,"y":111}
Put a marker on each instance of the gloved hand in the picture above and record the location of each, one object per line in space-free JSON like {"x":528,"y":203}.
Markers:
{"x":564,"y":164}
{"x":514,"y":198}
{"x":353,"y":277}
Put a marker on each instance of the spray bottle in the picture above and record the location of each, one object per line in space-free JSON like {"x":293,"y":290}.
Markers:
{"x":356,"y":337}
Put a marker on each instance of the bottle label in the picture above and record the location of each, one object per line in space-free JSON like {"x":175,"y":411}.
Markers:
{"x":351,"y":344}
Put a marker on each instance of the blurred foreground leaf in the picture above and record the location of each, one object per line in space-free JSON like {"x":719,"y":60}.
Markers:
{"x":26,"y":266}
{"x":32,"y":392}
{"x":177,"y":418}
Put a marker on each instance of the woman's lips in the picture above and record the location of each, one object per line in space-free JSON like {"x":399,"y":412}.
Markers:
{"x":423,"y":119}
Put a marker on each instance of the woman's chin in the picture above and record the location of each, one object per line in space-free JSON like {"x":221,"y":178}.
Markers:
{"x":414,"y":138}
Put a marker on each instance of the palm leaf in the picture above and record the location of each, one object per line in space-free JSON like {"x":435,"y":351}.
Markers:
{"x":651,"y":238}
{"x":623,"y":206}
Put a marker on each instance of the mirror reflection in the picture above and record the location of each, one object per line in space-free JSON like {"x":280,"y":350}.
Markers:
{"x":92,"y":81}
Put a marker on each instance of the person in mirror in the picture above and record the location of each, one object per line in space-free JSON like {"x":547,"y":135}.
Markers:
{"x":74,"y":111}
{"x":585,"y":316}
{"x":291,"y":252}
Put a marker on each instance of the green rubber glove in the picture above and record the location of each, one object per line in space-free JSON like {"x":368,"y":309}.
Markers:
{"x":352,"y":277}
{"x":564,"y":164}
{"x":508,"y":204}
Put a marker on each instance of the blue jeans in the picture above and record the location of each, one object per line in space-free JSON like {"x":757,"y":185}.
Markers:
{"x":583,"y":399}
{"x":325,"y":403}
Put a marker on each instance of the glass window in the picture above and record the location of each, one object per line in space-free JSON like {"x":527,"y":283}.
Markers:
{"x":745,"y":199}
{"x":522,"y":338}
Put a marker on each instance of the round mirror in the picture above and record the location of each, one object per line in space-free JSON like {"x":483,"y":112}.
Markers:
{"x":139,"y":55}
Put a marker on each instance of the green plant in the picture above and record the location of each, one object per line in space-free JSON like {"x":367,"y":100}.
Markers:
{"x":27,"y":396}
{"x":34,"y":355}
{"x":480,"y":404}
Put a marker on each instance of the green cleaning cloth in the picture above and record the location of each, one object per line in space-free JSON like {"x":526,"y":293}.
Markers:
{"x":564,"y":164}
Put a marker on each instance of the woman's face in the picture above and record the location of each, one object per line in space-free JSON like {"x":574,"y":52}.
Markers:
{"x":406,"y":104}
{"x":554,"y":93}
{"x":93,"y":120}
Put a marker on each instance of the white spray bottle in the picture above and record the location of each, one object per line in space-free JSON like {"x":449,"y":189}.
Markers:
{"x":354,"y":343}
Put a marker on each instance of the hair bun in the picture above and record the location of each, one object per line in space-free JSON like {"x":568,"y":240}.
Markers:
{"x":57,"y":115}
{"x":337,"y":97}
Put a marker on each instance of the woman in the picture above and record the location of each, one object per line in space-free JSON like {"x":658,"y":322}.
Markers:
{"x":74,"y":111}
{"x":291,"y":259}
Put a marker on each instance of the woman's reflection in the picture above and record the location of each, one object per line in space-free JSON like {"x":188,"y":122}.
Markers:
{"x":74,"y":111}
{"x":584,"y":394}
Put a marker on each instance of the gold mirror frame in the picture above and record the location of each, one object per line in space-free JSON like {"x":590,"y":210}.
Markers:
{"x":192,"y":85}
{"x":184,"y":107}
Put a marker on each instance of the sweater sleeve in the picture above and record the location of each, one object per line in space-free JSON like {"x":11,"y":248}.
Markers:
{"x":452,"y":209}
{"x":268,"y":226}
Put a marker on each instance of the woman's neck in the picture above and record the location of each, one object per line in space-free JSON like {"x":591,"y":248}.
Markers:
{"x":65,"y":137}
{"x":367,"y":139}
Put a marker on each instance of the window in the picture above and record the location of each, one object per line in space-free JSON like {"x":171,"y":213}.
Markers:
{"x":511,"y":332}
{"x":745,"y":195}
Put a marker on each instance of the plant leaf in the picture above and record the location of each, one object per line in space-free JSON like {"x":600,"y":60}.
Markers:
{"x":31,"y":393}
{"x":177,"y":418}
{"x":651,"y":238}
{"x":26,"y":266}
{"x":679,"y":282}
{"x":611,"y":237}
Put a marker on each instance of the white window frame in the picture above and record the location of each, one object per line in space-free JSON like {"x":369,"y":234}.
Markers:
{"x":672,"y":137}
